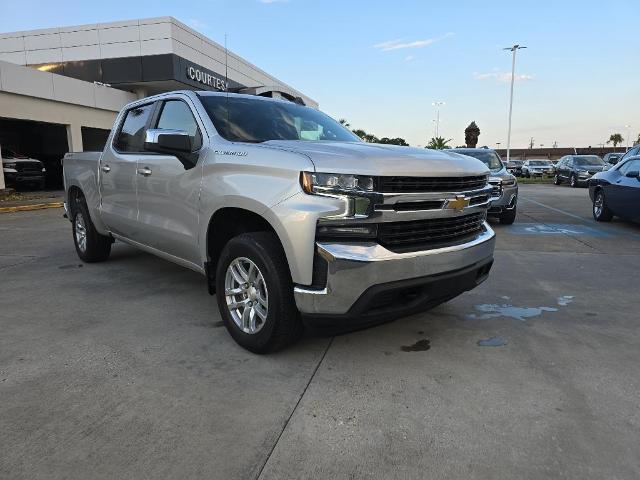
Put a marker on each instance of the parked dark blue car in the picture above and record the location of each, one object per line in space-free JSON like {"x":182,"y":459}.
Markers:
{"x":617,"y":191}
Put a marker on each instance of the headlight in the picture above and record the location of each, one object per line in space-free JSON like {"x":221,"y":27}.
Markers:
{"x":9,"y":165}
{"x":509,"y":182}
{"x":44,"y":169}
{"x":327,"y":232}
{"x":335,"y":182}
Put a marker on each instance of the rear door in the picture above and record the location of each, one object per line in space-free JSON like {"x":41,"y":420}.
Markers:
{"x":169,"y":189}
{"x":119,"y":207}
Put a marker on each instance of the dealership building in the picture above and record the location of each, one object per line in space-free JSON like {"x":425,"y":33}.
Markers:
{"x":61,"y":88}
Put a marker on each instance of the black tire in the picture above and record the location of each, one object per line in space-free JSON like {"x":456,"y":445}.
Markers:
{"x":508,"y":216}
{"x":604,"y":214}
{"x":96,"y":247}
{"x":556,"y":180}
{"x":282,"y":325}
{"x":573,"y":181}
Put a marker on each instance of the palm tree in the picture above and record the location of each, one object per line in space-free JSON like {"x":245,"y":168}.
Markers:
{"x":637,"y":140}
{"x":616,"y":139}
{"x":344,"y":123}
{"x":438,"y":143}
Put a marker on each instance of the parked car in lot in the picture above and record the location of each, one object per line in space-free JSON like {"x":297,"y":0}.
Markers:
{"x":515,"y":167}
{"x":288,"y":215}
{"x":616,"y":192}
{"x":537,"y":168}
{"x":577,"y":169}
{"x":22,"y":171}
{"x":504,"y":196}
{"x":611,"y":159}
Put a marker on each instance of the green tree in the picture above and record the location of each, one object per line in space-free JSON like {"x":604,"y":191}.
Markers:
{"x":367,"y":137}
{"x":438,"y":143}
{"x":637,"y":140}
{"x":616,"y":139}
{"x":344,"y":123}
{"x":394,"y":141}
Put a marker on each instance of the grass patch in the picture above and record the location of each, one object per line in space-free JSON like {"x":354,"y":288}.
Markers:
{"x":540,"y":180}
{"x":10,"y":196}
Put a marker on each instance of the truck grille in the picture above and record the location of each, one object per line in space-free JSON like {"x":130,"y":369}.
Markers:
{"x":429,"y":233}
{"x":28,"y":167}
{"x":430,"y":184}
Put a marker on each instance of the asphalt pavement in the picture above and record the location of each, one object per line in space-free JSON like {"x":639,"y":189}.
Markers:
{"x":123,"y":369}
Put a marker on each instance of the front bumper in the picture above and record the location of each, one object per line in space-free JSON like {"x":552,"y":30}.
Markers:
{"x":23,"y":177}
{"x":506,"y":201}
{"x":355,"y":269}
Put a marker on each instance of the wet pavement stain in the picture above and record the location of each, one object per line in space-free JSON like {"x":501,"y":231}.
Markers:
{"x":492,"y":342}
{"x":490,"y":310}
{"x":64,"y":267}
{"x":420,"y":346}
{"x":565,"y":300}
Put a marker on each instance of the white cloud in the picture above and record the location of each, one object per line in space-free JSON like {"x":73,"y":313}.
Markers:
{"x":408,"y":58}
{"x":197,"y":24}
{"x":400,"y":43}
{"x":501,"y":77}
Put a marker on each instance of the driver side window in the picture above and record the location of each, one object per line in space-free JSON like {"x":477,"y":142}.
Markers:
{"x":176,"y":115}
{"x":630,"y":166}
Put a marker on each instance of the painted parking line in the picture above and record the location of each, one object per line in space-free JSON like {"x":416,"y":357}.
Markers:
{"x":604,"y":230}
{"x":28,"y":208}
{"x":556,"y":229}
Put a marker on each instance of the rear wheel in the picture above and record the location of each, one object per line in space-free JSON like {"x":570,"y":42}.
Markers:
{"x":255,"y":293}
{"x":508,"y":216}
{"x":90,"y":245}
{"x":600,"y":210}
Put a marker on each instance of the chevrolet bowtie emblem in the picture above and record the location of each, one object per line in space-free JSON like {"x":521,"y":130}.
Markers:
{"x":459,"y":203}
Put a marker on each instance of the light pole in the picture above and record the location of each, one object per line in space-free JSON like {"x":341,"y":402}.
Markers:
{"x":628,"y":127}
{"x":513,"y":49}
{"x":437,"y":105}
{"x":498,"y":144}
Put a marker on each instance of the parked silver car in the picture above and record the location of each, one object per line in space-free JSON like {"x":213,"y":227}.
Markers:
{"x":538,"y":168}
{"x":504,"y":195}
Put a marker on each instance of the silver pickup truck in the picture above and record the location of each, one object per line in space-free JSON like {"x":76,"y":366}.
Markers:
{"x":289,"y":216}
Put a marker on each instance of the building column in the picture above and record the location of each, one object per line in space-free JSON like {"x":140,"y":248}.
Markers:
{"x":2,"y":185}
{"x":74,"y":137}
{"x":141,"y":92}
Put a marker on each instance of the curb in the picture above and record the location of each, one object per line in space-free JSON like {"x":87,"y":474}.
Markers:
{"x":26,"y":208}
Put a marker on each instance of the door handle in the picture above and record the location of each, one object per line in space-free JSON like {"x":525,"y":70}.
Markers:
{"x":145,"y":172}
{"x":106,"y":168}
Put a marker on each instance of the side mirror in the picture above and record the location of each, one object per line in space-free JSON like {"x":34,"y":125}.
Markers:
{"x":161,"y":140}
{"x":633,"y":174}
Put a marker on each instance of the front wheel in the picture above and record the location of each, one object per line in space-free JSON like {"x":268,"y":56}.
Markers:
{"x":556,"y":179}
{"x":255,"y":293}
{"x":573,"y":181}
{"x":601,"y":212}
{"x":508,"y":216}
{"x":90,"y":245}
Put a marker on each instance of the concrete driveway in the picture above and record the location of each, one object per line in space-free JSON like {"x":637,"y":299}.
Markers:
{"x":123,"y":370}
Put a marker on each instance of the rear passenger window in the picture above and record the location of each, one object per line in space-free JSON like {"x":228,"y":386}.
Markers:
{"x":176,"y":115}
{"x":132,"y":133}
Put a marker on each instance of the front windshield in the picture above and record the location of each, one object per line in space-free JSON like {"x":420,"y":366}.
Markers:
{"x":241,"y":119}
{"x":539,"y":163}
{"x":489,"y":158}
{"x":583,"y":161}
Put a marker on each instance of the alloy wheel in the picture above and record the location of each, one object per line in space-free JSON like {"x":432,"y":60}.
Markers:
{"x":246,"y":295}
{"x":81,"y":232}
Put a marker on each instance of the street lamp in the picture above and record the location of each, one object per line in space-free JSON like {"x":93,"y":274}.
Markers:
{"x":498,"y":144}
{"x":628,"y":127}
{"x":437,"y":105}
{"x":513,"y":49}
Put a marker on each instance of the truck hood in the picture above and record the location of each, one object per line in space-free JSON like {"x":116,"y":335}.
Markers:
{"x":381,"y":160}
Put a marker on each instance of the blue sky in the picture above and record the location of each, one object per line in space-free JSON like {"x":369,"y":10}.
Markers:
{"x":381,"y":64}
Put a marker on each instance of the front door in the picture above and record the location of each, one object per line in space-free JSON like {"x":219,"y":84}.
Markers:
{"x":169,"y":189}
{"x":625,"y":198}
{"x":117,"y":172}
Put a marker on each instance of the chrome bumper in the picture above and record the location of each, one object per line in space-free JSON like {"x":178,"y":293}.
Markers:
{"x":354,"y":268}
